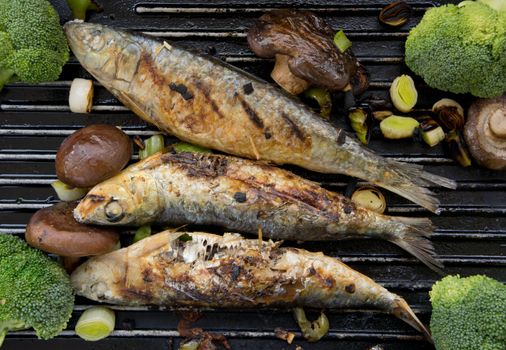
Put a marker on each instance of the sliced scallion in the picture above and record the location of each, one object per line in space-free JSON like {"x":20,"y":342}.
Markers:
{"x":68,"y":193}
{"x":152,"y":145}
{"x":142,"y":232}
{"x":95,"y":323}
{"x":341,"y":41}
{"x":188,"y":147}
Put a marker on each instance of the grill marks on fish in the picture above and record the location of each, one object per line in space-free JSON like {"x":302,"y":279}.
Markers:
{"x":95,"y":198}
{"x":213,"y":166}
{"x":198,"y":165}
{"x":295,"y":129}
{"x":182,"y":90}
{"x":250,"y":112}
{"x":206,"y":93}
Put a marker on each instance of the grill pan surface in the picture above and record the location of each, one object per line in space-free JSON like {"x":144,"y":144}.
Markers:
{"x":471,"y":234}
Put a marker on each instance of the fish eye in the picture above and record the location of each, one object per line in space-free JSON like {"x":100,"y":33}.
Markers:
{"x":113,"y":211}
{"x":96,"y":42}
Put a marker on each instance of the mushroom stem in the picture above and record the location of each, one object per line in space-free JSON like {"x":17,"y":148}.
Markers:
{"x":70,"y":263}
{"x":282,"y":75}
{"x":497,"y":124}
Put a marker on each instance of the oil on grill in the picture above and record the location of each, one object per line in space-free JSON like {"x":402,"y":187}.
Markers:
{"x":471,"y":234}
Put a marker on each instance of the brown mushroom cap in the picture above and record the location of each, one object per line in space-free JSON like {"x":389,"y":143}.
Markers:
{"x":485,"y":132}
{"x":308,"y":40}
{"x":54,"y":230}
{"x":92,"y":154}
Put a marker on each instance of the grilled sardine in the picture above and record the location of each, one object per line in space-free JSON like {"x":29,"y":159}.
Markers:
{"x":207,"y":102}
{"x":205,"y":270}
{"x":242,"y":195}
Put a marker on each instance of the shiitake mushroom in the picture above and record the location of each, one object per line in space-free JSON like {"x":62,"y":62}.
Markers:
{"x":92,"y":154}
{"x":54,"y":230}
{"x":485,"y":132}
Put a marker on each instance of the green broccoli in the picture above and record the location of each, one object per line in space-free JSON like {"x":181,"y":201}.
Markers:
{"x":35,"y":292}
{"x":461,"y":48}
{"x":33,"y":47}
{"x":468,"y":313}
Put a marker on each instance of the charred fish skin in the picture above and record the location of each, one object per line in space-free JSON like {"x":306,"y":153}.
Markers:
{"x":242,"y":195}
{"x":205,"y":270}
{"x":210,"y":103}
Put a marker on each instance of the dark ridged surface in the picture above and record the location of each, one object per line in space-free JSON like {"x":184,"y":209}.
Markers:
{"x":471,"y":234}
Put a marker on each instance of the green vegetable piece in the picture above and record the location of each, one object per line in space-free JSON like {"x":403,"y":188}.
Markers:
{"x":68,"y":193}
{"x":188,"y":147}
{"x":403,"y":93}
{"x":190,"y":345}
{"x":152,"y":145}
{"x":312,"y":331}
{"x":433,"y":137}
{"x":462,"y":48}
{"x":35,"y":292}
{"x":468,"y":313}
{"x":80,"y":7}
{"x":431,"y":132}
{"x":142,"y":232}
{"x":457,"y":148}
{"x":395,"y":127}
{"x":322,"y":97}
{"x":358,"y":118}
{"x":185,"y":237}
{"x":341,"y":41}
{"x":38,"y":48}
{"x":95,"y":323}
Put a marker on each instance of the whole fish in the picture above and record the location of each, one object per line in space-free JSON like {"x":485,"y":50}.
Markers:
{"x":207,"y":102}
{"x":206,"y":270}
{"x":242,"y":195}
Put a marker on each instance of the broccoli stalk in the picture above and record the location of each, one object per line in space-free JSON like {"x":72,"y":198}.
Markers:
{"x":468,"y":313}
{"x":10,"y":325}
{"x":5,"y":76}
{"x":33,"y":47}
{"x":80,"y":7}
{"x":35,"y":292}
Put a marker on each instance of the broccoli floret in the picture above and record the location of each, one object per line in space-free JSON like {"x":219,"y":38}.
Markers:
{"x":38,"y":44}
{"x":461,"y":48}
{"x":468,"y":313}
{"x":35,"y":292}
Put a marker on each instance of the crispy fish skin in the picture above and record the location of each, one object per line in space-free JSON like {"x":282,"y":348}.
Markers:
{"x":210,"y":103}
{"x":242,"y":195}
{"x":206,"y":270}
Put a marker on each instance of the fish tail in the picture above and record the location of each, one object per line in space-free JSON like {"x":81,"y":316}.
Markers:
{"x":410,"y":182}
{"x":401,"y":309}
{"x":413,"y":236}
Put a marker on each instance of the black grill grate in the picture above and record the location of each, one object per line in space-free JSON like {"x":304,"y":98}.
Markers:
{"x":471,"y":234}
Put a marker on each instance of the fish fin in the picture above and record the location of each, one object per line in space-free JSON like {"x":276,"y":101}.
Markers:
{"x":402,"y":310}
{"x":414,"y":238}
{"x":411,"y":182}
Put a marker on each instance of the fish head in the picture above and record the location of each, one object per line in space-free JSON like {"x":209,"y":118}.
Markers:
{"x":109,"y":55}
{"x":131,"y":198}
{"x":98,"y":277}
